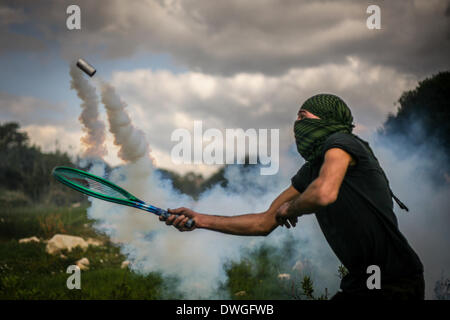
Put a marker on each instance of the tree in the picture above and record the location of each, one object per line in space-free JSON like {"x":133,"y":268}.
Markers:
{"x":11,"y":137}
{"x":427,"y":105}
{"x":423,"y":122}
{"x":25,"y":168}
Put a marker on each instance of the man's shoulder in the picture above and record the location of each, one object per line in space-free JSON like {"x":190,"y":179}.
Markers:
{"x":341,"y":137}
{"x":349,"y":143}
{"x":303,"y":177}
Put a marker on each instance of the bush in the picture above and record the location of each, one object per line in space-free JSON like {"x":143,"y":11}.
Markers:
{"x":256,"y":276}
{"x":10,"y":198}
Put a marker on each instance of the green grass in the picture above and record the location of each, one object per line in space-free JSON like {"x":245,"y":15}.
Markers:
{"x":28,"y":272}
{"x":106,"y":283}
{"x":44,"y":222}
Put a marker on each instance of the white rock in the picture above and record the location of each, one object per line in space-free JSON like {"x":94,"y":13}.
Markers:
{"x":240,"y":293}
{"x":83,"y":264}
{"x":61,"y":241}
{"x":94,"y":242}
{"x":31,"y":239}
{"x":76,"y":204}
{"x":284,"y":276}
{"x":125,"y":264}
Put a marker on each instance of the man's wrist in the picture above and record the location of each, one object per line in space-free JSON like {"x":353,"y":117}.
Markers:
{"x":292,"y":210}
{"x":199,"y":220}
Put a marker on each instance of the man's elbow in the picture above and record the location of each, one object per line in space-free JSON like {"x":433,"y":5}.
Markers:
{"x":265,"y":231}
{"x":268,"y":230}
{"x":266,"y":227}
{"x":326,"y":197}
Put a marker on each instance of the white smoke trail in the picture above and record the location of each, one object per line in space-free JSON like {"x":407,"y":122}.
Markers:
{"x":132,"y":142}
{"x":94,"y":138}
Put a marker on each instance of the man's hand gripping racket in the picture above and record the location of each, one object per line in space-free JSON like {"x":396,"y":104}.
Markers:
{"x":180,"y":218}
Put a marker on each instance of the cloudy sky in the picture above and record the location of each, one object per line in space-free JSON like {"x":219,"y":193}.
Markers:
{"x":232,"y":64}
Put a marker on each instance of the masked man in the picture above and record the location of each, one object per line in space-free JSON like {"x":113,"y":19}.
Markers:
{"x":344,"y":185}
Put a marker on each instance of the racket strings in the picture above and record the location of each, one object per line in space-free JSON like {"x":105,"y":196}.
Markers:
{"x":93,"y":185}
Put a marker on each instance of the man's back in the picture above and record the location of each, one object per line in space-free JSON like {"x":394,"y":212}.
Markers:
{"x":360,"y":225}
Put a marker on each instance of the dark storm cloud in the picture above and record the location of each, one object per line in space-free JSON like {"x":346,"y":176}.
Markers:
{"x":30,"y":110}
{"x":11,"y":40}
{"x":267,"y":36}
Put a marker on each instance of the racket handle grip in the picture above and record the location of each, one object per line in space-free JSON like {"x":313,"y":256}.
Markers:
{"x":189,"y":224}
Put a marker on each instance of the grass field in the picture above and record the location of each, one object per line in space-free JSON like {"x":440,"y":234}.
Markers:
{"x":27,"y":271}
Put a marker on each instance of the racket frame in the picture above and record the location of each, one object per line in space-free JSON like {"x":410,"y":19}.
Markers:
{"x":132,"y":201}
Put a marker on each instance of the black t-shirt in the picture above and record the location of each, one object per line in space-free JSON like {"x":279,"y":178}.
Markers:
{"x":360,"y":226}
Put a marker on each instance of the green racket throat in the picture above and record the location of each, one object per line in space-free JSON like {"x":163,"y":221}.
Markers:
{"x":103,"y":189}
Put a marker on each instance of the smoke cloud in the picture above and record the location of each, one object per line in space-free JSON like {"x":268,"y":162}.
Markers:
{"x":426,"y":224}
{"x":197,"y":257}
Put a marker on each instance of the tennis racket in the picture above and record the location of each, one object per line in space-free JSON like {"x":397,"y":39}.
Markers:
{"x":100,"y":188}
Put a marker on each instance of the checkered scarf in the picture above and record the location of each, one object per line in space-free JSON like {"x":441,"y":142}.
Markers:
{"x":310,"y":134}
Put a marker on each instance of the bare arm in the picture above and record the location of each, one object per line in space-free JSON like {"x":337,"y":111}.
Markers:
{"x":324,"y":189}
{"x":255,"y":224}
